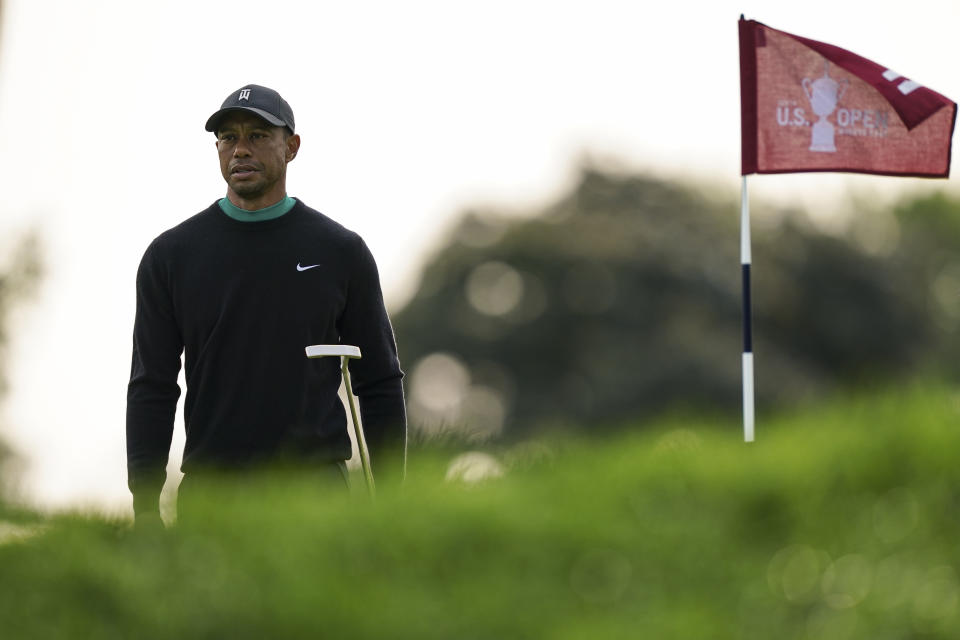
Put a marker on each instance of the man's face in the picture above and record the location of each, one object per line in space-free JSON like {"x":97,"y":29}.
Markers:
{"x":254,"y":155}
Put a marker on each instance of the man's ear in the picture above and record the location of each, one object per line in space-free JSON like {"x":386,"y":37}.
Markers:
{"x":293,"y":146}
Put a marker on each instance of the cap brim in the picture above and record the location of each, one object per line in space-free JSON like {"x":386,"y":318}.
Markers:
{"x":215,"y":119}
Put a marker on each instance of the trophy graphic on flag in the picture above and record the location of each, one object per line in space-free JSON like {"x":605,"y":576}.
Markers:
{"x":823,"y":93}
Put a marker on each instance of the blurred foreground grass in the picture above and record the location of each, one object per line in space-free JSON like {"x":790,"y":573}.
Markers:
{"x":839,"y":522}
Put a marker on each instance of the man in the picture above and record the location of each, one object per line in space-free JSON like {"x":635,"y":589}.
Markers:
{"x":240,"y":289}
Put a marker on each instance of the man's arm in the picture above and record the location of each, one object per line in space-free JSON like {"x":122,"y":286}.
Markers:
{"x":383,"y":414}
{"x":377,"y":377}
{"x":153,"y":391}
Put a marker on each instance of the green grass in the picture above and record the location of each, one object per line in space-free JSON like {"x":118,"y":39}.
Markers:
{"x":839,"y":522}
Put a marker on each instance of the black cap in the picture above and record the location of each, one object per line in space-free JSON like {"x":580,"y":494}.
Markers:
{"x":262,"y":101}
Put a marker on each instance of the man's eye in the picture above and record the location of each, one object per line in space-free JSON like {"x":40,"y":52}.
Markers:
{"x":226,"y":138}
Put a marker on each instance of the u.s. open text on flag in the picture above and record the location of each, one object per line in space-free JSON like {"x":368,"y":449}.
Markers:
{"x":811,"y":106}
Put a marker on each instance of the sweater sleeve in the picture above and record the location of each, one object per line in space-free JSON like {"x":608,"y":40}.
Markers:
{"x":153,"y":391}
{"x":377,"y":377}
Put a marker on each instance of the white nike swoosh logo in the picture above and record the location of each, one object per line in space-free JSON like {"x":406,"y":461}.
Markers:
{"x":299,"y":268}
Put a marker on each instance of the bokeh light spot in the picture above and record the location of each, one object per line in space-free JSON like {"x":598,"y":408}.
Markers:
{"x":494,"y":288}
{"x":847,"y":582}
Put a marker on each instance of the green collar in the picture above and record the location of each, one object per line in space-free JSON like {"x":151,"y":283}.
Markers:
{"x":260,"y":215}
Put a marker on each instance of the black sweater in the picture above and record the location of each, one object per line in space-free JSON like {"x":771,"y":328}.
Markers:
{"x":241,"y":300}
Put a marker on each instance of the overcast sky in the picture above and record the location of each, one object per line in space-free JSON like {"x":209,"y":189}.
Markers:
{"x":408,"y":111}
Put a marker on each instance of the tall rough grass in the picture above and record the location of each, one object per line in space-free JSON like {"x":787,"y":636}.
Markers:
{"x":839,"y":522}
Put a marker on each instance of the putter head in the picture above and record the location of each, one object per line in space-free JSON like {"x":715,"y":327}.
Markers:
{"x":323,"y":350}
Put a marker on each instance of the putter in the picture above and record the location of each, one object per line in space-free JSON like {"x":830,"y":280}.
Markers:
{"x":346,"y":352}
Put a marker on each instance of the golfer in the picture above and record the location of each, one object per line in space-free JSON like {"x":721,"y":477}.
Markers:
{"x":240,"y":289}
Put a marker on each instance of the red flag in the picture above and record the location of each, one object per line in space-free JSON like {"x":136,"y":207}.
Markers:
{"x":810,"y":106}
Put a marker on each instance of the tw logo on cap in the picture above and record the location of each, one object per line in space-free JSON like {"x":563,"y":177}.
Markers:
{"x":244,"y":94}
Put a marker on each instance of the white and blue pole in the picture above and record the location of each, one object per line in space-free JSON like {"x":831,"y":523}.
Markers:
{"x":745,"y":259}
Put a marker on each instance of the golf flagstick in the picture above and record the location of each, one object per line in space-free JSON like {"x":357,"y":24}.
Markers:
{"x":745,"y":260}
{"x":346,"y":353}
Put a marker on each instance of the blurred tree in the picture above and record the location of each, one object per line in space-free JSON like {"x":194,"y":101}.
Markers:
{"x":4,"y":451}
{"x":20,"y":272}
{"x":623,"y":299}
{"x":928,"y":229}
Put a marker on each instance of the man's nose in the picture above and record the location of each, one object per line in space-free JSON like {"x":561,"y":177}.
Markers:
{"x":241,"y":150}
